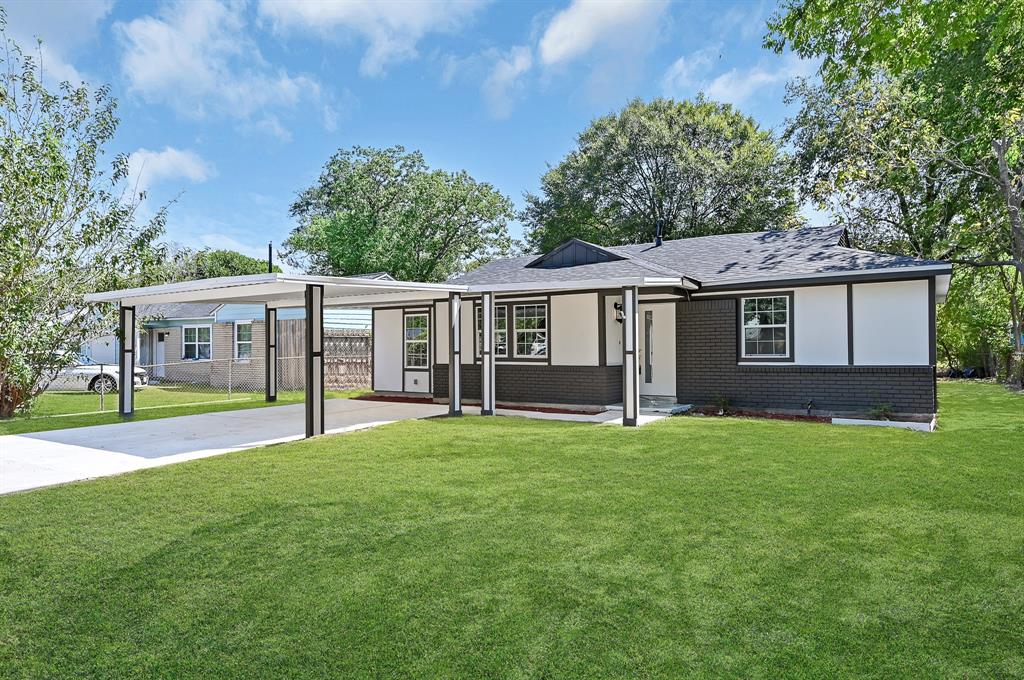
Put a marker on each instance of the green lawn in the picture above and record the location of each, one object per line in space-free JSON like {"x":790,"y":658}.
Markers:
{"x":56,"y":410}
{"x":503,"y":547}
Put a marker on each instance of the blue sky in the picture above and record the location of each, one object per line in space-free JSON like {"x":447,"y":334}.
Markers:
{"x":231,"y":108}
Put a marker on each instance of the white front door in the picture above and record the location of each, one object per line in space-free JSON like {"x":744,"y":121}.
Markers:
{"x":159,"y":355}
{"x":658,"y":349}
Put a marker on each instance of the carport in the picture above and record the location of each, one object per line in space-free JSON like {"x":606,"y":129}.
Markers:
{"x":274,"y":292}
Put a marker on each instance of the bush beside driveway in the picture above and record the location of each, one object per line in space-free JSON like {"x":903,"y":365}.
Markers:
{"x":509,"y":547}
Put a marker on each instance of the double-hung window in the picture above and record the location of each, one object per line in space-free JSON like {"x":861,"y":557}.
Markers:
{"x":531,"y":330}
{"x":500,"y":330}
{"x":196,"y":342}
{"x":766,"y":327}
{"x":417,"y":334}
{"x":243,"y":339}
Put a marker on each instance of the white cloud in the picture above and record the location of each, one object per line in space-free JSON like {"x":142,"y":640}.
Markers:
{"x":692,"y":73}
{"x":586,"y":24}
{"x":148,"y":168}
{"x":392,"y":29}
{"x":222,"y":242}
{"x":64,"y":27}
{"x":736,"y":86}
{"x":197,"y":58}
{"x":503,"y":84}
{"x":687,"y":70}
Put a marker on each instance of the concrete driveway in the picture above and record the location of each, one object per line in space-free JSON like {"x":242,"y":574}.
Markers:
{"x":28,"y":461}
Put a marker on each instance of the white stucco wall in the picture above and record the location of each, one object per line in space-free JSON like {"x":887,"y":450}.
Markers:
{"x":387,"y":350}
{"x":441,"y":338}
{"x":574,"y":327}
{"x":890,"y":323}
{"x":819,"y":317}
{"x":613,"y":332}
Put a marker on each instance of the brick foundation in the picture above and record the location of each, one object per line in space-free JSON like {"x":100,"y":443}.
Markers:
{"x":540,"y":384}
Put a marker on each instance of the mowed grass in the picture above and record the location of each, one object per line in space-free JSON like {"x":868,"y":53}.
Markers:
{"x":58,"y":410}
{"x":504,"y":547}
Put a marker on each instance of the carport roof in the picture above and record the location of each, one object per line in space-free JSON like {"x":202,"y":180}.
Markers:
{"x":281,"y":290}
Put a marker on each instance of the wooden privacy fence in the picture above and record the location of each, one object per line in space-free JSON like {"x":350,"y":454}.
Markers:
{"x":347,"y":356}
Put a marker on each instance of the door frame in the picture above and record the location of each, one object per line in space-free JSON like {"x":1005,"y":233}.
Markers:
{"x":668,"y":387}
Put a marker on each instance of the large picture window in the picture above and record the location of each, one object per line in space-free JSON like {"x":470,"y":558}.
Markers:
{"x":417,"y":334}
{"x":766,"y":327}
{"x":500,"y":330}
{"x":196,"y":342}
{"x":243,"y":339}
{"x":531,"y":330}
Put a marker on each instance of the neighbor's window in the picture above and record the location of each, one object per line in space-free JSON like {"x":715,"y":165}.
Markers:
{"x":766,"y":327}
{"x":243,"y":339}
{"x":196,"y":342}
{"x":531,"y":330}
{"x":416,"y":337}
{"x":500,"y":330}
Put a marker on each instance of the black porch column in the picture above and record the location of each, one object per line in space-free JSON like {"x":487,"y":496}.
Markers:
{"x":314,"y":360}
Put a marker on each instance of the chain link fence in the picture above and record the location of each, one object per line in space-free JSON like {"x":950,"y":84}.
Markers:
{"x":92,"y":389}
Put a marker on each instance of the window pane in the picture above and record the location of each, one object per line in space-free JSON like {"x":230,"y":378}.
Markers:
{"x":244,"y":350}
{"x":190,"y":334}
{"x":244,"y":332}
{"x":204,"y":334}
{"x":190,"y":351}
{"x":204,"y":351}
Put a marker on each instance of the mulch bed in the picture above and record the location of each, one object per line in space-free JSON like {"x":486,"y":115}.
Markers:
{"x":712,"y":411}
{"x":509,"y":407}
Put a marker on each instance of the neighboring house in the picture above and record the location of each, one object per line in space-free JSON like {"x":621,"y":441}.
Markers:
{"x":192,"y":342}
{"x":788,"y":320}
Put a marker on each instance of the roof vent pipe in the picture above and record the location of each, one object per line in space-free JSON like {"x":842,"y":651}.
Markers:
{"x":659,"y":230}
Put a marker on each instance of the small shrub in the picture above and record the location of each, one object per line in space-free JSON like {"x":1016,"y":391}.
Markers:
{"x":722,"y":402}
{"x":881,"y":412}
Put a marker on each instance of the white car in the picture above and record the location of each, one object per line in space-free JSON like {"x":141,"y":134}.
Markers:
{"x":87,"y":375}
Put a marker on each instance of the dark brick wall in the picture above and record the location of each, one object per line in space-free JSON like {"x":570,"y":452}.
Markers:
{"x":540,"y":384}
{"x":706,"y":368}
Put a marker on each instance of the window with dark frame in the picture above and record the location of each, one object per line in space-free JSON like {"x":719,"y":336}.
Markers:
{"x":417,"y":334}
{"x":766,"y":327}
{"x":530,"y":324}
{"x":500,"y":330}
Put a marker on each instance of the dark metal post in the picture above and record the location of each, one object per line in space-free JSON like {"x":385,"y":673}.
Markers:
{"x":126,"y":362}
{"x":314,"y":360}
{"x":487,"y":388}
{"x":630,"y":369}
{"x":454,"y":354}
{"x":270,"y":356}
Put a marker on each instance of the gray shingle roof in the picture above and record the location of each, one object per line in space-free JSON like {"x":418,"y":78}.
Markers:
{"x":712,"y":260}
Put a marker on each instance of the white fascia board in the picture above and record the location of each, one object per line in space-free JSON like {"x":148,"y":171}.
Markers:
{"x":942,"y":287}
{"x":924,"y":270}
{"x":583,"y":284}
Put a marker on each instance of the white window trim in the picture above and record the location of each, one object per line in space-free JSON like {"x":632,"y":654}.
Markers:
{"x":197,"y":343}
{"x":240,"y":322}
{"x":406,"y":341}
{"x":478,"y":327}
{"x":786,"y":326}
{"x":515,"y":331}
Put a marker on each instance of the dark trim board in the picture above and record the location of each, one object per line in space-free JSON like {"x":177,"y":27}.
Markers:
{"x":849,"y":324}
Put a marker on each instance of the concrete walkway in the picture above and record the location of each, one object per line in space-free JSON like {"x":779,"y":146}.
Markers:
{"x":28,"y":461}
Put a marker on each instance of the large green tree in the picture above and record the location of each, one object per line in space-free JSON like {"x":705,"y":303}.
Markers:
{"x":699,"y":167}
{"x":185,"y":264}
{"x":957,"y":69}
{"x":67,"y":223}
{"x":386,"y":210}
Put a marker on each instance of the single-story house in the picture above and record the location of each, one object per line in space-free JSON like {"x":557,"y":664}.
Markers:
{"x":778,"y":320}
{"x":787,"y":320}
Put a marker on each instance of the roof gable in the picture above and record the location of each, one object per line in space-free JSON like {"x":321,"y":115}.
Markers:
{"x":572,"y":253}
